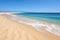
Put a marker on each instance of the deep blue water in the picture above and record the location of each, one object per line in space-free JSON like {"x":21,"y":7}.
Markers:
{"x":49,"y":17}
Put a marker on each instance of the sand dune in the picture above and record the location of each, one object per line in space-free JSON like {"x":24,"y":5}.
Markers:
{"x":12,"y":30}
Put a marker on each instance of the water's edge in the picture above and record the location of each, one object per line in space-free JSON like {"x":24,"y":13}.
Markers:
{"x":55,"y":29}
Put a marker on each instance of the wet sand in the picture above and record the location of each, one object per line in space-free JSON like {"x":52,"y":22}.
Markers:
{"x":12,"y":30}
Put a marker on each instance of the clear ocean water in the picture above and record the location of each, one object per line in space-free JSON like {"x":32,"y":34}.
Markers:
{"x":49,"y":17}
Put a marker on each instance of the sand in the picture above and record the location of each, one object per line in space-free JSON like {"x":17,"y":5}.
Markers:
{"x":12,"y":30}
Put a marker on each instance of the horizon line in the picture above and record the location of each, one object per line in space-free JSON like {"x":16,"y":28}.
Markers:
{"x":30,"y":12}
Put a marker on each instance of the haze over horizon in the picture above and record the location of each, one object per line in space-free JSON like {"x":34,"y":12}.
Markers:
{"x":30,"y":5}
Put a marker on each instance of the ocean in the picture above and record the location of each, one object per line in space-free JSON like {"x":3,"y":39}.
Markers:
{"x":48,"y":17}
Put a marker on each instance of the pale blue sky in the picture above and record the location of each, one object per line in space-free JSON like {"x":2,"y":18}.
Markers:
{"x":30,"y":5}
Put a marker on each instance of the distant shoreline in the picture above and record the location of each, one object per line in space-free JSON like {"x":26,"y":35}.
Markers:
{"x":27,"y":12}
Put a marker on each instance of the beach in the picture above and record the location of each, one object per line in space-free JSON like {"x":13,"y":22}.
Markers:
{"x":10,"y":29}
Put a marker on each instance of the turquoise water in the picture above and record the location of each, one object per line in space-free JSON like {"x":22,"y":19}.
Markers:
{"x":49,"y":17}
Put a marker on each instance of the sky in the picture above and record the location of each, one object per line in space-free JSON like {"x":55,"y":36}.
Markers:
{"x":30,"y":5}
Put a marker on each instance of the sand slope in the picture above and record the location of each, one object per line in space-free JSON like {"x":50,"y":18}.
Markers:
{"x":11,"y":30}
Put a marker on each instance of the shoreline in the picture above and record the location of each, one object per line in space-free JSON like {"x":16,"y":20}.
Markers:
{"x":12,"y":29}
{"x":36,"y":24}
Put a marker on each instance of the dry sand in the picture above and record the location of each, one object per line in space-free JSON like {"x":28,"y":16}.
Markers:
{"x":11,"y":30}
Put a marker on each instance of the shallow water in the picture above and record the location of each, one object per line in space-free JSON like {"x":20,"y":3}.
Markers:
{"x":49,"y":17}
